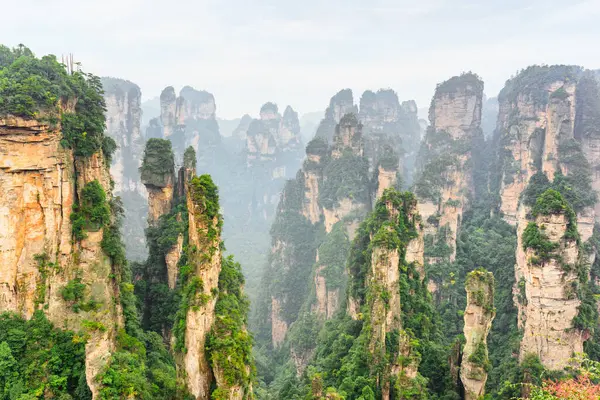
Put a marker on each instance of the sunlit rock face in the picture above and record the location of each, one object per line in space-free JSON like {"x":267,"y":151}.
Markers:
{"x":123,"y":116}
{"x":41,"y":182}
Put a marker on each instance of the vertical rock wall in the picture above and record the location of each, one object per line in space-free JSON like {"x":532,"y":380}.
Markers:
{"x":123,"y":118}
{"x":41,"y":182}
{"x":478,"y":321}
{"x":444,"y":183}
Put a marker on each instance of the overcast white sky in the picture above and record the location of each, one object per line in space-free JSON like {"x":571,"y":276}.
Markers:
{"x":247,"y":52}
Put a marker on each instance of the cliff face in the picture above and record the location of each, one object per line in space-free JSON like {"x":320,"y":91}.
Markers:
{"x":123,"y":116}
{"x":158,"y":175}
{"x":395,"y":231}
{"x":478,"y":321}
{"x":548,"y":260}
{"x":547,"y":141}
{"x":41,"y":182}
{"x":189,"y":120}
{"x":189,"y":293}
{"x":330,"y":194}
{"x":274,"y":139}
{"x":444,"y":184}
{"x":205,"y":260}
{"x":389,"y":124}
{"x":534,"y":117}
{"x":339,"y":105}
{"x":587,"y":128}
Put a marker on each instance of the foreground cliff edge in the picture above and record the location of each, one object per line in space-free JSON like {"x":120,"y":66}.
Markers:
{"x":71,"y":327}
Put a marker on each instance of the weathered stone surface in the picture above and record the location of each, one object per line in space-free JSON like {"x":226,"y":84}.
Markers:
{"x":123,"y":119}
{"x":547,"y":312}
{"x":193,"y":364}
{"x":340,"y":104}
{"x":478,"y":321}
{"x":455,"y":117}
{"x":39,"y":180}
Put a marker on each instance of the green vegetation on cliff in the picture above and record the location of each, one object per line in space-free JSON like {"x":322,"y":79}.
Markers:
{"x":158,"y":165}
{"x":229,"y":344}
{"x":38,"y":360}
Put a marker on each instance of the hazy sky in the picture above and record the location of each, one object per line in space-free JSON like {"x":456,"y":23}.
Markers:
{"x":247,"y":52}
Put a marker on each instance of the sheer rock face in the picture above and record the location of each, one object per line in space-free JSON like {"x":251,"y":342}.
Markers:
{"x":478,"y":322}
{"x":386,"y":313}
{"x":312,"y":176}
{"x":123,"y":117}
{"x":240,"y":133}
{"x":531,"y":127}
{"x":348,"y":138}
{"x":387,"y":123}
{"x":548,"y":308}
{"x":188,"y":120}
{"x":198,"y":104}
{"x":545,"y":111}
{"x":455,"y":114}
{"x":279,"y":326}
{"x":197,"y":112}
{"x":339,"y":105}
{"x":272,"y":137}
{"x":39,"y":180}
{"x":193,"y":365}
{"x":386,"y":178}
{"x":587,"y":130}
{"x":168,"y":111}
{"x":160,"y":195}
{"x":327,"y":300}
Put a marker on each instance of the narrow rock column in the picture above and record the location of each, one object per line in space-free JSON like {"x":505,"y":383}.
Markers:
{"x":478,"y":321}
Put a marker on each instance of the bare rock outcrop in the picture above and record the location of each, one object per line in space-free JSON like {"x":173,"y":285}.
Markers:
{"x":548,"y":262}
{"x":384,"y":300}
{"x":205,"y":260}
{"x":158,"y":175}
{"x":537,"y":113}
{"x":478,"y":321}
{"x":444,"y":184}
{"x":41,"y":181}
{"x":123,"y":118}
{"x":339,"y":105}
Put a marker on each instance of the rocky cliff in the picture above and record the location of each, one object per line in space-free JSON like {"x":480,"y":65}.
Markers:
{"x":274,"y":139}
{"x":537,"y":111}
{"x":546,"y":142}
{"x":123,"y":116}
{"x":478,"y":317}
{"x":189,"y":293}
{"x":444,"y":183}
{"x":551,"y":288}
{"x":57,"y":212}
{"x":189,"y":120}
{"x":158,"y":176}
{"x":389,"y":124}
{"x":339,"y":105}
{"x":384,"y":299}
